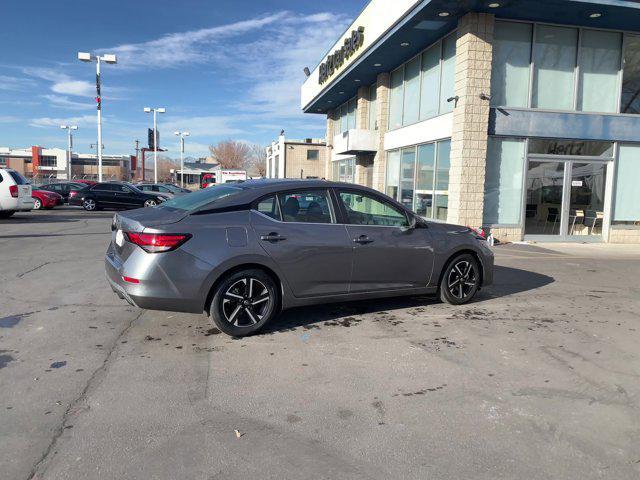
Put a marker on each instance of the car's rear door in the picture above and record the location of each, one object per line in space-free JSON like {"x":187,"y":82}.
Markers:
{"x":388,"y":254}
{"x":105,"y":194}
{"x":298,"y":230}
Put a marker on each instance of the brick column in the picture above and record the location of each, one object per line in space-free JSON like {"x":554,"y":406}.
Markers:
{"x":470,"y":119}
{"x":363,"y":163}
{"x":329,"y":148}
{"x":382,"y":106}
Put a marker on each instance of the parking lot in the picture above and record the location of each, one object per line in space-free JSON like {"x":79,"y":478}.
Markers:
{"x":537,"y":379}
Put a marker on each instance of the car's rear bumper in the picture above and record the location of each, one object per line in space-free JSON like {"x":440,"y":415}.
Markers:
{"x":154,"y":295}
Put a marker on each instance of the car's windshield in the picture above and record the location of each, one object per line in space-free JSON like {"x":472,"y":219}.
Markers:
{"x":201,"y":198}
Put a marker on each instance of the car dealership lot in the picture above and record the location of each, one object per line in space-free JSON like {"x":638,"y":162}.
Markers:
{"x":537,"y":379}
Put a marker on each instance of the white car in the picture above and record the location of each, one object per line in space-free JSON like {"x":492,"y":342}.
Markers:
{"x":15,"y":193}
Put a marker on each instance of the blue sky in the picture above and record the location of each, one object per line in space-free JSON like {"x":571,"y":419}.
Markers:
{"x":222,"y":69}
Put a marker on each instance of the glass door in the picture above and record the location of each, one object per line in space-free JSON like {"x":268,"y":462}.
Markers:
{"x":544,"y":197}
{"x":586,"y":200}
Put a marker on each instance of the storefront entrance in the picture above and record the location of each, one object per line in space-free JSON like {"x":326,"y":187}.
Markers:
{"x":565,"y":194}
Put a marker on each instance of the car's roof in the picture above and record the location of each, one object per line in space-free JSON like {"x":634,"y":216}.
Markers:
{"x":285,"y":183}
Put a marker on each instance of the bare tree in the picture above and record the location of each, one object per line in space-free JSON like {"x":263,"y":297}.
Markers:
{"x":165,"y":165}
{"x":231,"y":153}
{"x":257,"y":164}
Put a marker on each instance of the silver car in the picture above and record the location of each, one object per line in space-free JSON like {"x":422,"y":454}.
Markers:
{"x":244,"y":252}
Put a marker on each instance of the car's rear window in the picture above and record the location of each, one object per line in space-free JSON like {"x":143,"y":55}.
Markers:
{"x":19,"y":179}
{"x":199,"y":199}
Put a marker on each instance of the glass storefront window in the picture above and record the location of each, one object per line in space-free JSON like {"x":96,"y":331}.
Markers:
{"x":411,"y":91}
{"x":393,"y":173}
{"x":626,"y":207}
{"x":373,"y":107}
{"x":423,"y":201}
{"x":351,"y":115}
{"x":343,"y":118}
{"x":448,"y":77}
{"x":395,"y":98}
{"x":430,"y":84}
{"x":503,"y":181}
{"x":343,"y":170}
{"x":412,"y":174}
{"x":511,"y":64}
{"x":407,"y":176}
{"x":630,"y":100}
{"x":555,"y":62}
{"x":599,"y":64}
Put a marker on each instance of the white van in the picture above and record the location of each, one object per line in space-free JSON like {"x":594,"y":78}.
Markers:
{"x":15,"y":193}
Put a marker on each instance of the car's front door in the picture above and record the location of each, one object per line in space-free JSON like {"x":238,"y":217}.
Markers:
{"x":105,"y":194}
{"x":128,"y":198}
{"x":389,"y":253}
{"x":298,"y":230}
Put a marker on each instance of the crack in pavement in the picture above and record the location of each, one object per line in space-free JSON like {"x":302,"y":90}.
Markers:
{"x":40,"y":466}
{"x":20,"y":275}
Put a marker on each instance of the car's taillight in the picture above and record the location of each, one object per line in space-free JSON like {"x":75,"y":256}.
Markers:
{"x":157,"y":242}
{"x":13,"y":190}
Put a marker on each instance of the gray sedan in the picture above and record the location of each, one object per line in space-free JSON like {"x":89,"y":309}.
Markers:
{"x":242,"y":253}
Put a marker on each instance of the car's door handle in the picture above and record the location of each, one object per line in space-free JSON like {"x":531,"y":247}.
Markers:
{"x":362,"y":240}
{"x":272,"y":237}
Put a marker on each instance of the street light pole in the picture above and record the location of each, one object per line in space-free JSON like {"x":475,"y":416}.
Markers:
{"x":181,"y":135}
{"x":87,"y":57}
{"x":69,"y":128}
{"x":155,"y":138}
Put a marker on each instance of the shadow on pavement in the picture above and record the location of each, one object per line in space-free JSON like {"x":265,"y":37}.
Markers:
{"x":50,"y":217}
{"x":507,"y":281}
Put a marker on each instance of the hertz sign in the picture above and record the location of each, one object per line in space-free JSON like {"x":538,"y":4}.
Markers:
{"x":338,"y":57}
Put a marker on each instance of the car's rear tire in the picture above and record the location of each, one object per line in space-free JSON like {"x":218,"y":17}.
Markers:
{"x":89,"y":204}
{"x":37,"y":204}
{"x":244,"y":302}
{"x":460,"y":280}
{"x":6,"y":213}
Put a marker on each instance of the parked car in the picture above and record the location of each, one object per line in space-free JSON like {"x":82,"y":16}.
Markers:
{"x":45,"y":199}
{"x":158,"y":188}
{"x":63,"y":188}
{"x":176,"y":188}
{"x":114,"y":195}
{"x":246,"y":251}
{"x":15,"y":193}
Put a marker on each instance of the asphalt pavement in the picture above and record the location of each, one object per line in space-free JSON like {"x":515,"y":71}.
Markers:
{"x":537,"y":379}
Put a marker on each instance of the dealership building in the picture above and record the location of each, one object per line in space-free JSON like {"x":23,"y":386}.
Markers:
{"x":522,"y":116}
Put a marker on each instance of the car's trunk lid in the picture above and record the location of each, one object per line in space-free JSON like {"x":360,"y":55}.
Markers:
{"x":142,"y":218}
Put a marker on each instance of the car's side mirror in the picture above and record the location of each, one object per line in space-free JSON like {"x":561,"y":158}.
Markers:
{"x":412,"y":225}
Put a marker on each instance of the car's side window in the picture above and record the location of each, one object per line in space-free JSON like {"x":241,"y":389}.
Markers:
{"x":312,"y":206}
{"x":363,"y":209}
{"x":269,"y":207}
{"x":125,"y":189}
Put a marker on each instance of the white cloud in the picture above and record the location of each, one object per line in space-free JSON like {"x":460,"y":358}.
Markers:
{"x":83,"y":120}
{"x":64,"y":102}
{"x":74,"y":87}
{"x":14,"y":83}
{"x":184,"y":48}
{"x":9,"y":119}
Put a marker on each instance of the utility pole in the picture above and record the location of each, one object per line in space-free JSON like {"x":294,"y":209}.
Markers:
{"x":137,"y":159}
{"x":109,"y":58}
{"x":182,"y":135}
{"x":69,"y":128}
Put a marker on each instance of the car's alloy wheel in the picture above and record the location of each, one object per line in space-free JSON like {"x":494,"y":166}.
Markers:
{"x":37,"y":204}
{"x":150,"y":203}
{"x":461,"y":280}
{"x":89,"y":205}
{"x":244,"y":302}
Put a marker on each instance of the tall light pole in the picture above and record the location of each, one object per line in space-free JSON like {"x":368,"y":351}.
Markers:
{"x":108,"y":58}
{"x":69,"y":128}
{"x":181,"y":135}
{"x":155,"y":138}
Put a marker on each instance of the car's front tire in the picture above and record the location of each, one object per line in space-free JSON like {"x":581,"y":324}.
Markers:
{"x":460,"y":280}
{"x":89,"y":204}
{"x":244,"y":302}
{"x":37,"y":204}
